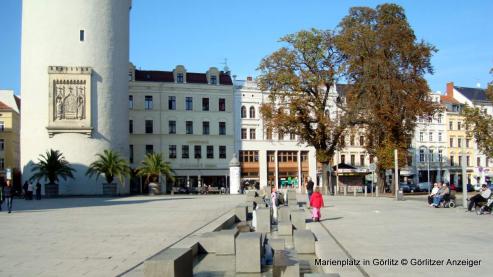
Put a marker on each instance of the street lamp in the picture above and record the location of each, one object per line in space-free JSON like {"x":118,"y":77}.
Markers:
{"x":428,"y":159}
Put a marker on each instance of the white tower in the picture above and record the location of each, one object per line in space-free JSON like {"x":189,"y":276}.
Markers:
{"x":74,"y":83}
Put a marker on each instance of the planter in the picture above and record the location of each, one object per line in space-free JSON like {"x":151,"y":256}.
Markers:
{"x":109,"y":189}
{"x":154,"y":189}
{"x":51,"y":190}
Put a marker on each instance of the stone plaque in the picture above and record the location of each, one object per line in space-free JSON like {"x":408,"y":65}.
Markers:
{"x":69,"y":100}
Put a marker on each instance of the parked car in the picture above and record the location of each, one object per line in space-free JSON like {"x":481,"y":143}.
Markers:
{"x":413,"y":187}
{"x":404,"y":187}
{"x":469,"y":188}
{"x":183,"y":190}
{"x":424,"y":187}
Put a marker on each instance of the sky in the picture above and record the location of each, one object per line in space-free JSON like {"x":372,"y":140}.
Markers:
{"x":201,"y":34}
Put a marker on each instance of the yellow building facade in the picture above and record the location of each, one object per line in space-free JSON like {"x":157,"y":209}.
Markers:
{"x":9,"y":131}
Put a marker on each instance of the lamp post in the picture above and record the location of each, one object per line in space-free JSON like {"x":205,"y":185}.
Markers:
{"x":428,"y":159}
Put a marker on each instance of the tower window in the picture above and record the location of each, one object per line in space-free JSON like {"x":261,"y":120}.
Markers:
{"x":81,"y":35}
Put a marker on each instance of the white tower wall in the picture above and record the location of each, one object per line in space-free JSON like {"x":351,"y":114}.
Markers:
{"x":50,"y":37}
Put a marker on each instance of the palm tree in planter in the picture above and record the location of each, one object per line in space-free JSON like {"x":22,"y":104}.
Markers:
{"x":111,"y":165}
{"x":153,"y":166}
{"x":51,"y":167}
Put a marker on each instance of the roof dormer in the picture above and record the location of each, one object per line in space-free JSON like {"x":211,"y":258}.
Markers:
{"x":213,"y":76}
{"x":131,"y":72}
{"x":180,"y":74}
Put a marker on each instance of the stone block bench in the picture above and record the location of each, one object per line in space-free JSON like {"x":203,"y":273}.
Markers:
{"x":173,"y":262}
{"x":304,"y":241}
{"x":249,"y":252}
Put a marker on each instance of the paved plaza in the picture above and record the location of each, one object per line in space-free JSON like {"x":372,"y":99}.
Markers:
{"x":107,"y":236}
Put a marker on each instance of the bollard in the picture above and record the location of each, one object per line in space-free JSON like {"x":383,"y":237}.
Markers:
{"x":354,"y":192}
{"x":366,"y":191}
{"x":376,"y":191}
{"x":345,"y":191}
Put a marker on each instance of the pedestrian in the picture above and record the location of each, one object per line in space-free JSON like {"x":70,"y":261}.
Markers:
{"x":483,"y":196}
{"x":24,"y":187}
{"x":316,"y":202}
{"x":9,"y":195}
{"x":309,"y":188}
{"x":1,"y":195}
{"x":434,"y":191}
{"x":30,"y":191}
{"x":275,"y":203}
{"x":38,"y":191}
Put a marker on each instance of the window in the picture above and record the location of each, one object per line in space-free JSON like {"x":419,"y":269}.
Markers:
{"x":149,"y":126}
{"x":371,"y":159}
{"x":280,"y":136}
{"x":222,"y":152}
{"x":362,"y":160}
{"x":450,"y":125}
{"x":439,"y":119}
{"x":179,"y":78}
{"x":131,"y":153}
{"x":185,"y":152}
{"x":343,"y":159}
{"x":351,"y":140}
{"x":452,"y":161}
{"x":430,"y":136}
{"x":2,"y":126}
{"x":188,"y":103}
{"x":478,"y":161}
{"x":361,"y":141}
{"x":210,"y":152}
{"x":421,"y":136}
{"x":213,"y":80}
{"x":269,"y":133}
{"x":148,"y":102}
{"x":451,"y":142}
{"x":252,"y":112}
{"x":172,"y":127}
{"x":222,"y":104}
{"x":172,"y":151}
{"x":149,"y":149}
{"x":243,"y":133}
{"x":467,"y":142}
{"x":2,"y":144}
{"x":292,"y":136}
{"x":130,"y":126}
{"x":252,"y":133}
{"x":189,"y":127}
{"x":440,"y":137}
{"x":440,"y":155}
{"x":458,"y":125}
{"x":205,"y":104}
{"x":81,"y":35}
{"x":430,"y":156}
{"x":459,"y":142}
{"x":198,"y":151}
{"x":205,"y":127}
{"x":243,"y":112}
{"x":130,"y":101}
{"x":421,"y":155}
{"x":468,"y":161}
{"x":222,"y":128}
{"x":460,"y":160}
{"x":172,"y":103}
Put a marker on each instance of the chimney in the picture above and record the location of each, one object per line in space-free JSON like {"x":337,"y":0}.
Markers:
{"x":249,"y":78}
{"x":450,"y":89}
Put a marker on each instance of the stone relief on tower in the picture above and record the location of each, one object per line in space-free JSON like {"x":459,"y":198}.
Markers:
{"x":70,"y":105}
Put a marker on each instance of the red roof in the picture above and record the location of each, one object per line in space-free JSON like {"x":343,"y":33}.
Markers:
{"x":3,"y":106}
{"x":448,"y":99}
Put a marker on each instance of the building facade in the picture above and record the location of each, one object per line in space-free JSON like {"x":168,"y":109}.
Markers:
{"x":9,"y":131}
{"x":74,"y":84}
{"x":186,"y":116}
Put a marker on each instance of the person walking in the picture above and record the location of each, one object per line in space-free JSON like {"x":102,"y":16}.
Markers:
{"x":38,"y":191}
{"x":30,"y":190}
{"x":24,"y":187}
{"x":275,"y":203}
{"x":309,"y":188}
{"x":9,"y":195}
{"x":316,"y":202}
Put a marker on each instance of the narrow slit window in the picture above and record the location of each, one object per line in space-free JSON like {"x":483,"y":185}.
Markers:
{"x":81,"y":35}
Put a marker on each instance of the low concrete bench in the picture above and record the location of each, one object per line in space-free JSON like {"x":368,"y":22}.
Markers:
{"x":173,"y":262}
{"x":304,"y":241}
{"x":263,"y":220}
{"x":208,"y":242}
{"x":225,"y":242}
{"x":243,"y":227}
{"x":251,"y":194}
{"x":298,"y":218}
{"x":277,"y":244}
{"x":241,"y":212}
{"x":285,"y":229}
{"x":248,"y":253}
{"x":286,"y":264}
{"x":283,"y":215}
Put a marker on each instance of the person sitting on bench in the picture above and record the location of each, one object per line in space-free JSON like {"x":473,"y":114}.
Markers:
{"x":483,"y":196}
{"x":441,"y":193}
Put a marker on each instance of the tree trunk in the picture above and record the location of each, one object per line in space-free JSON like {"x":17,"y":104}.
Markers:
{"x":381,"y":180}
{"x":325,"y":166}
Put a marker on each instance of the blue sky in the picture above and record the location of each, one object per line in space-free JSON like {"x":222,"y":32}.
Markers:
{"x":200,"y":34}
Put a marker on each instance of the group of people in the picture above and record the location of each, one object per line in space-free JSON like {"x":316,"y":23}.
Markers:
{"x":6,"y":195}
{"x":438,"y":193}
{"x":28,"y":190}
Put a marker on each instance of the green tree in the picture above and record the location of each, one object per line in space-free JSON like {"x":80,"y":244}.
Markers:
{"x":111,"y":165}
{"x":299,"y":77}
{"x":51,"y":167}
{"x":385,"y":64}
{"x":480,"y":124}
{"x":153,"y":166}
